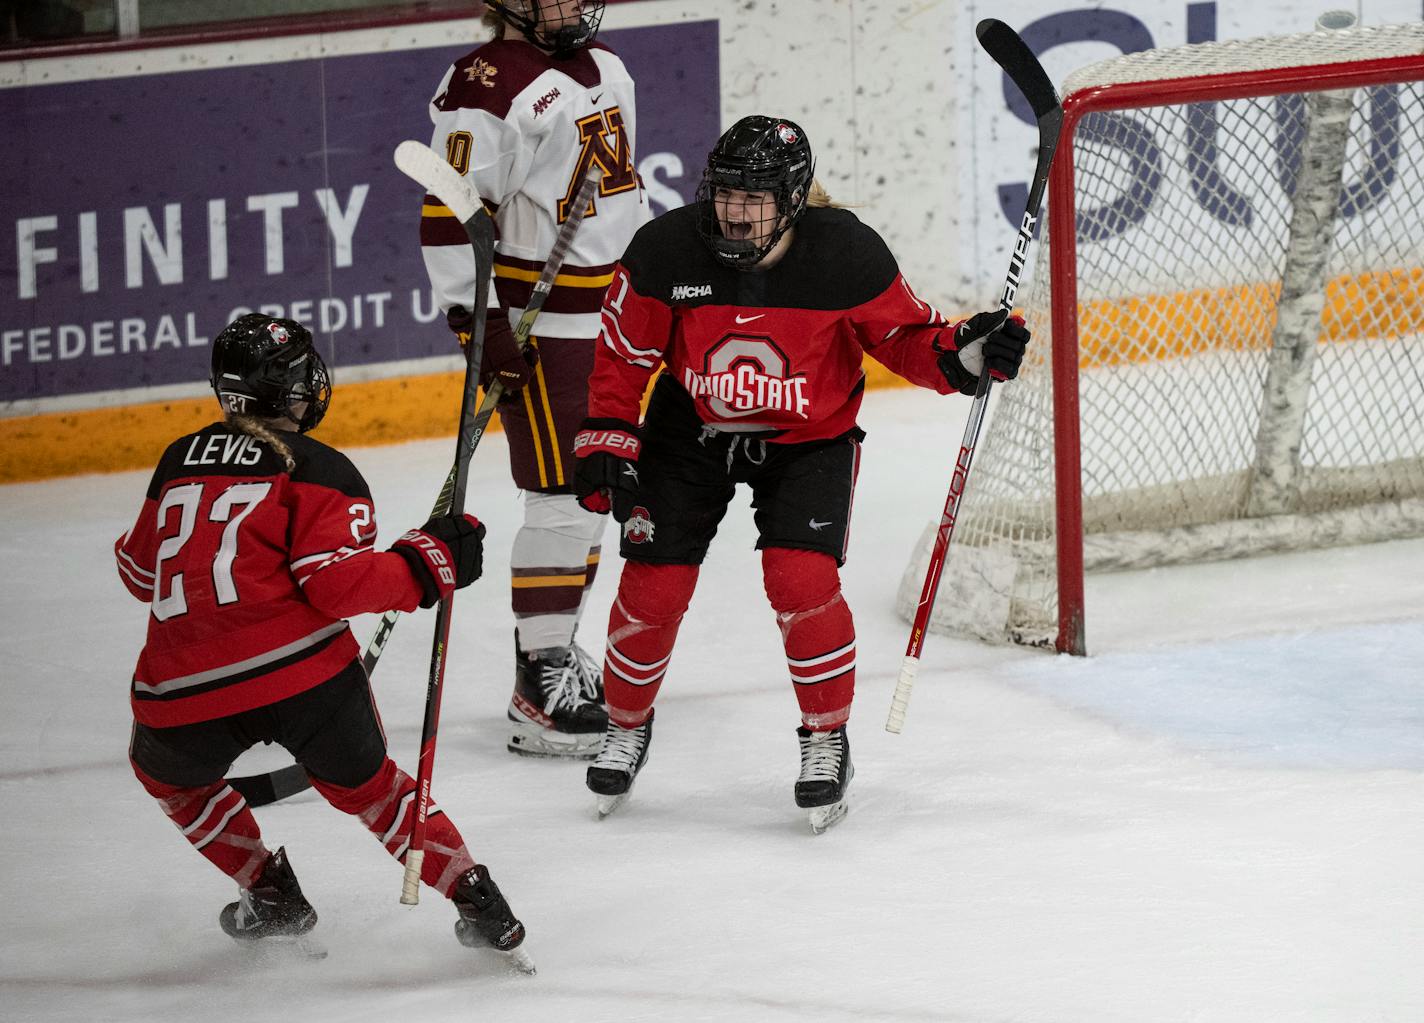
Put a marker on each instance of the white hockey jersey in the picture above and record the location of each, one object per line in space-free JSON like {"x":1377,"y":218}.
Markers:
{"x":525,"y":128}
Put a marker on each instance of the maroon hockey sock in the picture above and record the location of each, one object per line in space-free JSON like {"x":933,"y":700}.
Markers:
{"x":386,"y":805}
{"x":595,"y":554}
{"x":642,"y":628}
{"x":215,"y":818}
{"x":544,"y":592}
{"x":804,"y":588}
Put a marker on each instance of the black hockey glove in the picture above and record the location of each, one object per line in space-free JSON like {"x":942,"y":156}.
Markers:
{"x":984,"y":340}
{"x":606,"y":474}
{"x":500,"y":359}
{"x":444,"y":555}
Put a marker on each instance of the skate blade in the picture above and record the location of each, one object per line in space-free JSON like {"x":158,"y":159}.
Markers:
{"x":518,"y":960}
{"x":531,"y":740}
{"x":310,"y":948}
{"x":824,"y":817}
{"x":607,"y":804}
{"x":280,"y":947}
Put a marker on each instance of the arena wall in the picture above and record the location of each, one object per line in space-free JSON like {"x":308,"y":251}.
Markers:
{"x":157,"y":191}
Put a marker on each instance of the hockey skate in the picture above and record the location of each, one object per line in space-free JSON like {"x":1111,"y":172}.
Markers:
{"x":826,"y":771}
{"x":557,"y":707}
{"x":624,"y":752}
{"x":273,"y":910}
{"x":486,"y":921}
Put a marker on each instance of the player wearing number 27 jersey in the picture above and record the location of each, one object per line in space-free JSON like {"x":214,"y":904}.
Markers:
{"x":253,"y":543}
{"x":250,"y":572}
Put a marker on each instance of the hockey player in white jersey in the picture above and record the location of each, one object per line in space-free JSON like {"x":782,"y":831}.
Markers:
{"x":525,"y":117}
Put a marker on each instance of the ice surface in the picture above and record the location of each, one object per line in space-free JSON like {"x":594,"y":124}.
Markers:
{"x":1217,"y":817}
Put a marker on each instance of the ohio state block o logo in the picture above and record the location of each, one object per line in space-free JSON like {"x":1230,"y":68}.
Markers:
{"x":736,"y":350}
{"x":639,"y":527}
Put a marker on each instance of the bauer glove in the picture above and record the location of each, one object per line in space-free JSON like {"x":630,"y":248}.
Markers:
{"x":501,"y":358}
{"x":985,"y":340}
{"x":444,"y":555}
{"x":606,"y":473}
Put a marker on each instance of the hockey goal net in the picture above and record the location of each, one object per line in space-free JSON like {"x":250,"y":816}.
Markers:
{"x":1228,"y":317}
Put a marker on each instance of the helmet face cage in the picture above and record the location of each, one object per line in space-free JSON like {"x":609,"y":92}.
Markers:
{"x":264,"y":367}
{"x":525,"y":15}
{"x":757,"y":154}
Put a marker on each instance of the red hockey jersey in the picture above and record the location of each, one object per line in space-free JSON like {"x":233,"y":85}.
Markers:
{"x":774,"y":350}
{"x":249,"y":571}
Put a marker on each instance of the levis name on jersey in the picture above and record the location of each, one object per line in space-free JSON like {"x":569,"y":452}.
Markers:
{"x":222,"y":449}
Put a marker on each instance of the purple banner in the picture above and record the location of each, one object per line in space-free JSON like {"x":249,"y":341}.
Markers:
{"x":146,"y":210}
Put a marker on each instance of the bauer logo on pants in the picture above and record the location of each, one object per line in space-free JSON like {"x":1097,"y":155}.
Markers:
{"x":639,"y":527}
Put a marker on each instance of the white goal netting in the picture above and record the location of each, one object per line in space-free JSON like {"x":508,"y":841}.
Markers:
{"x":1250,"y":330}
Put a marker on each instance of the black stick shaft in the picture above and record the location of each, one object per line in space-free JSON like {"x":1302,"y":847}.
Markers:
{"x":1019,"y":63}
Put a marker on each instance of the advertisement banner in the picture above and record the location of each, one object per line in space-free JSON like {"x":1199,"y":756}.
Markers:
{"x":1068,"y":37}
{"x":146,"y":212}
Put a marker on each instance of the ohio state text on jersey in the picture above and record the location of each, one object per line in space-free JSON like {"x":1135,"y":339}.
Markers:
{"x":525,"y":129}
{"x":774,"y":350}
{"x":249,"y":571}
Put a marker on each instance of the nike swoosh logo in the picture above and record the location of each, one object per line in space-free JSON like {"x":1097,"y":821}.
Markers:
{"x":748,"y":319}
{"x":819,"y":525}
{"x":598,"y":97}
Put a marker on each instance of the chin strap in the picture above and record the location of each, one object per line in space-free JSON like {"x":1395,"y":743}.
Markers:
{"x":566,"y":42}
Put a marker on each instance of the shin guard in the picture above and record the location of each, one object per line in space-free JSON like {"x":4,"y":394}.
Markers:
{"x":216,"y":820}
{"x":817,"y":631}
{"x":386,"y":805}
{"x":642,"y":628}
{"x":552,"y":565}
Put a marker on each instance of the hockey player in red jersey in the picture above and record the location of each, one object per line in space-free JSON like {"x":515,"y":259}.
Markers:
{"x":525,"y":117}
{"x":758,"y":301}
{"x":254,"y":543}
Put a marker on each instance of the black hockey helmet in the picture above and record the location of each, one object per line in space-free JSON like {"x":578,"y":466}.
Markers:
{"x":757,"y":154}
{"x":264,"y":366}
{"x":525,"y":16}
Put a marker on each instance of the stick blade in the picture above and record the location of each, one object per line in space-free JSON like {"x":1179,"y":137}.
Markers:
{"x":1012,"y":54}
{"x":273,"y":787}
{"x":424,"y":166}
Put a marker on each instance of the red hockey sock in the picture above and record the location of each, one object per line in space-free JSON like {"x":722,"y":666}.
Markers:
{"x":386,"y":805}
{"x":642,"y":628}
{"x":215,"y":818}
{"x":804,"y":588}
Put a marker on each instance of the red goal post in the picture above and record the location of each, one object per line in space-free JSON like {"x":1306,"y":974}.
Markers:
{"x":1229,"y":337}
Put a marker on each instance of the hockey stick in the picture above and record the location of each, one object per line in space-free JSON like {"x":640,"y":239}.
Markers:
{"x":422,"y":164}
{"x":263,"y":789}
{"x":1013,"y":55}
{"x":495,"y":391}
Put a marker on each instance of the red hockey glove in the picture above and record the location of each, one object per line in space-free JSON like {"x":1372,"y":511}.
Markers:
{"x":444,"y":555}
{"x":984,"y":340}
{"x":606,"y":474}
{"x":500,"y":359}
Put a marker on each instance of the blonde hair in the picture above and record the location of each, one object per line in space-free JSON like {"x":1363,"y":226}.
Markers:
{"x":492,"y":21}
{"x":258,"y":429}
{"x":818,"y":197}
